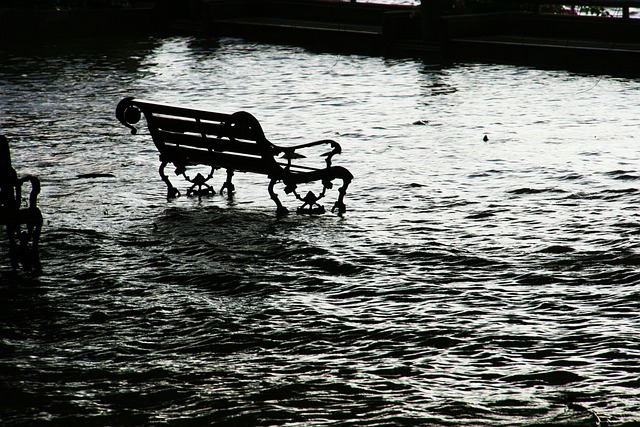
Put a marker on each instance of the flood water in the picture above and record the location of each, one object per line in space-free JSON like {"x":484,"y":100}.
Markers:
{"x":471,"y":282}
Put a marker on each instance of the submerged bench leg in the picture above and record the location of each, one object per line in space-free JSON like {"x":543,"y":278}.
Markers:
{"x":35,"y":242}
{"x":339,"y":204}
{"x":24,"y":239}
{"x":29,"y":241}
{"x":172,"y":191}
{"x":228,"y":184}
{"x":281,"y":210}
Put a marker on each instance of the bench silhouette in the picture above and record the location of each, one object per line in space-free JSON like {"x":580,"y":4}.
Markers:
{"x":235,"y":142}
{"x":23,"y":221}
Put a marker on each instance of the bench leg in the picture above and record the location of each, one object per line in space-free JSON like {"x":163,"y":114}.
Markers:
{"x":228,"y":184}
{"x":281,"y":210}
{"x":339,"y":205}
{"x":23,"y":243}
{"x":172,"y":192}
{"x":12,"y":231}
{"x":35,"y":229}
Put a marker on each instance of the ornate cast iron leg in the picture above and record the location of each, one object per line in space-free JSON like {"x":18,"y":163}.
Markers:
{"x":172,"y":191}
{"x":200,"y":181}
{"x":310,"y":205}
{"x":339,"y":205}
{"x":281,"y":210}
{"x":24,"y":239}
{"x":228,"y":184}
{"x":29,"y":240}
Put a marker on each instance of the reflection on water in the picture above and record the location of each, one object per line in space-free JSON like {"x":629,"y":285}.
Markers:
{"x":471,"y":282}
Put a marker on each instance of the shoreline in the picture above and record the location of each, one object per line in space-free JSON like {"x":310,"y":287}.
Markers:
{"x":591,"y":44}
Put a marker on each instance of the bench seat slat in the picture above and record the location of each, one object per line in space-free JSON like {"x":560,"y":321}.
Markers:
{"x":216,"y":159}
{"x":191,"y":156}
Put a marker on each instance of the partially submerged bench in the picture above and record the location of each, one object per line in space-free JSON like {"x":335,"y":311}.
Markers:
{"x":234,"y":142}
{"x":23,"y":220}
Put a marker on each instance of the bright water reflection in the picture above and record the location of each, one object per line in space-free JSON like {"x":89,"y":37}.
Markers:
{"x":471,"y":282}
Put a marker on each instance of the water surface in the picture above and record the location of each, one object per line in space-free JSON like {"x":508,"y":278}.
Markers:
{"x":471,"y":282}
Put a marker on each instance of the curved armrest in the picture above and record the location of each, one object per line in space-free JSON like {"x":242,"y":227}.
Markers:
{"x":35,"y":189}
{"x":292,"y":148}
{"x":128,"y":114}
{"x":289,"y":151}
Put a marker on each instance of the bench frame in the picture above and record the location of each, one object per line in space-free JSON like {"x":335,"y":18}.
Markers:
{"x":23,"y":224}
{"x":236,"y":142}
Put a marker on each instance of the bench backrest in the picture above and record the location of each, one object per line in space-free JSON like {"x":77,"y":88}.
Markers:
{"x":187,"y":136}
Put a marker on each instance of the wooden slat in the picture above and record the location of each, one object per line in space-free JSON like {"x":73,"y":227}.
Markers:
{"x":197,"y":126}
{"x":216,"y":159}
{"x":233,"y":161}
{"x":171,"y":110}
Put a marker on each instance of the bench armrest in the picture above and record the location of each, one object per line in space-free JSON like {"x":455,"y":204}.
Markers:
{"x":289,"y":152}
{"x":35,"y":189}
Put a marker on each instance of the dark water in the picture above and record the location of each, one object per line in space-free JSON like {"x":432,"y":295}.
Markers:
{"x":470,"y":283}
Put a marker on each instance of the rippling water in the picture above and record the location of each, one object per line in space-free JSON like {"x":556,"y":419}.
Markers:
{"x":470,"y":282}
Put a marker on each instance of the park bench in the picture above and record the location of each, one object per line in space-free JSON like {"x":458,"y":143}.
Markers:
{"x":22,"y":219}
{"x":234,"y":142}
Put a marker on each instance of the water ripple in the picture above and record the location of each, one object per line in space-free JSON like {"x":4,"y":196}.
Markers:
{"x":472,"y":282}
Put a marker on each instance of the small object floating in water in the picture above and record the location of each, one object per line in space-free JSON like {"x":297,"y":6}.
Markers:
{"x":485,"y":138}
{"x":421,"y":122}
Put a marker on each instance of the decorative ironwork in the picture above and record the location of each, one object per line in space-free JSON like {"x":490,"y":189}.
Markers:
{"x":200,"y":181}
{"x":310,"y":205}
{"x":235,"y":142}
{"x":23,"y":224}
